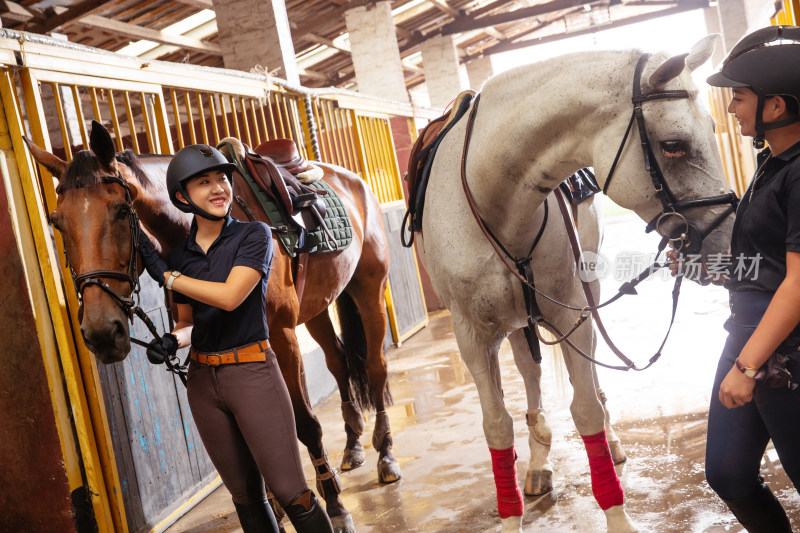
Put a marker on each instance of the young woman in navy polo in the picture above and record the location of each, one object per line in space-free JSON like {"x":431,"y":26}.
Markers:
{"x":239,"y":401}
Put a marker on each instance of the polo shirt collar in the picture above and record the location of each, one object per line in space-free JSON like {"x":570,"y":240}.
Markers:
{"x":227,"y":229}
{"x":789,"y":153}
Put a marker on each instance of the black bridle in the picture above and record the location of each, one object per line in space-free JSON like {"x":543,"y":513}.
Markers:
{"x":128,"y":304}
{"x":686,"y":236}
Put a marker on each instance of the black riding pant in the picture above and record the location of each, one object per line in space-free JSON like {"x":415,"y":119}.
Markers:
{"x":738,"y":437}
{"x":244,"y":416}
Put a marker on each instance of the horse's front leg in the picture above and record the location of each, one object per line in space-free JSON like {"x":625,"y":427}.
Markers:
{"x":589,"y":417}
{"x":479,"y":352}
{"x":309,"y":430}
{"x":614,"y":444}
{"x":539,"y":478}
{"x":321,"y":330}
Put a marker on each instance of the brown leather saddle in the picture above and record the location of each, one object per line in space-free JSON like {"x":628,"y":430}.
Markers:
{"x":274,"y":166}
{"x":420,"y":162}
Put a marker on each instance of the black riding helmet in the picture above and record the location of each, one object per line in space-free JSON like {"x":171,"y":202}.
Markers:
{"x":766,"y":62}
{"x":188,"y":163}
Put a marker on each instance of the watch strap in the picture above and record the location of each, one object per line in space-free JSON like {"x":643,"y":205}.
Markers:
{"x":746,"y":370}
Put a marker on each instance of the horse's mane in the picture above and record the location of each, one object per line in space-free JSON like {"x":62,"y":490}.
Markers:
{"x":84,"y":170}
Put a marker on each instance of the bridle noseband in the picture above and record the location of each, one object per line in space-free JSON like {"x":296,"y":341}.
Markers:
{"x":690,"y":238}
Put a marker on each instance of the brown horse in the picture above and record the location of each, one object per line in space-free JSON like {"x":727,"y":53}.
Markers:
{"x":93,"y":216}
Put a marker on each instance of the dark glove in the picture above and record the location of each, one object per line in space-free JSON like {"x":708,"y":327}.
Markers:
{"x":160,"y":349}
{"x":154,"y":265}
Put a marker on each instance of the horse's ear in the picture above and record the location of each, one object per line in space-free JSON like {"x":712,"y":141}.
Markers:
{"x":668,"y":70}
{"x":701,"y":51}
{"x":101,"y":144}
{"x":54,"y":164}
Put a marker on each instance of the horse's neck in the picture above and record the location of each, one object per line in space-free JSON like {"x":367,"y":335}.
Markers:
{"x":164,"y":222}
{"x":538,"y":124}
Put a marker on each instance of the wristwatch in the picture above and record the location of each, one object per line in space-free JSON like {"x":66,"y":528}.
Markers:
{"x":746,"y":370}
{"x":171,"y":279}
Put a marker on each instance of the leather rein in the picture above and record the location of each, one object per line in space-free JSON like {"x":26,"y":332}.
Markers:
{"x":689,"y":238}
{"x":131,"y":276}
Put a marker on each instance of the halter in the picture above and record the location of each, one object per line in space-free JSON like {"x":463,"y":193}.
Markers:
{"x":127,"y":304}
{"x":689,"y":238}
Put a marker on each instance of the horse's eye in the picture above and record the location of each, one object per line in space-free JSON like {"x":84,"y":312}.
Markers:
{"x":674,"y":149}
{"x":55,"y":219}
{"x":123,"y":212}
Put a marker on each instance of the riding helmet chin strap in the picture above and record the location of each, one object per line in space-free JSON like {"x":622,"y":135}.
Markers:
{"x":761,"y":127}
{"x":199,"y":212}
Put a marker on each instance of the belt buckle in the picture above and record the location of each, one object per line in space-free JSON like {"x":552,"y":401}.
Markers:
{"x":217,"y":360}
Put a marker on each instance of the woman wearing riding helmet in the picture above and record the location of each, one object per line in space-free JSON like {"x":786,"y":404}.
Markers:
{"x":236,"y":392}
{"x":748,"y":407}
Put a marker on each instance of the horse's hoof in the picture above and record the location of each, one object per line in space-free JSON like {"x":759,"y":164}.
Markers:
{"x":617,"y":453}
{"x":538,"y":483}
{"x":388,"y":471}
{"x":353,"y":458}
{"x":343,"y":524}
{"x":512,"y":524}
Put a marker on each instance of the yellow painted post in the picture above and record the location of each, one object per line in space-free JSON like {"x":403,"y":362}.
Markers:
{"x":79,"y":372}
{"x":254,"y":118}
{"x":359,"y":146}
{"x":187,"y":100}
{"x":177,"y":116}
{"x":148,"y":126}
{"x":162,"y":124}
{"x":131,"y":123}
{"x":224,"y":110}
{"x":62,"y":120}
{"x":246,"y":123}
{"x":235,"y":117}
{"x":96,"y":106}
{"x":214,"y":126}
{"x":76,"y":97}
{"x":115,"y":120}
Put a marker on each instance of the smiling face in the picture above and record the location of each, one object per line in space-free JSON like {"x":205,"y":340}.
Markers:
{"x":210,"y":191}
{"x":743,"y":106}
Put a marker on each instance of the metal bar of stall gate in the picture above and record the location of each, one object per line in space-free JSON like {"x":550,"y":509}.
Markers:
{"x":79,"y":372}
{"x":131,"y":123}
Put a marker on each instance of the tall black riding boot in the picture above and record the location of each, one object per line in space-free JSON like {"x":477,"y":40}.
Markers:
{"x":760,"y":512}
{"x":307,"y":515}
{"x":257,"y":517}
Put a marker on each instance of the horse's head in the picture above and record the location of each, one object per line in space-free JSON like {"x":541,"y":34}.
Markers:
{"x":669,"y":171}
{"x":99,"y":227}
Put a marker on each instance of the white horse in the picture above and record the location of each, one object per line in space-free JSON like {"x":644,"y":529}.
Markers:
{"x":533,"y":126}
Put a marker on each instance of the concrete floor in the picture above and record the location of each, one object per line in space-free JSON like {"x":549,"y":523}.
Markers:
{"x":659,"y":414}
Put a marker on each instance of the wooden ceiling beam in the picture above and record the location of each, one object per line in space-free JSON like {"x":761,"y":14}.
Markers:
{"x":86,"y":7}
{"x":442,"y":6}
{"x":327,"y":42}
{"x":468,"y":22}
{"x":200,"y":4}
{"x":13,"y":11}
{"x":327,"y":18}
{"x":680,"y":8}
{"x":139,"y":32}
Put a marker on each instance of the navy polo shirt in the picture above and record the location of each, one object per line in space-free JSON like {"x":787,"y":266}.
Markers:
{"x":239,"y":244}
{"x":767,"y":225}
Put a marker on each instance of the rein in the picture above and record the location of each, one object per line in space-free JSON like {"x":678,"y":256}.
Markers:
{"x":690,"y":238}
{"x":127,"y":304}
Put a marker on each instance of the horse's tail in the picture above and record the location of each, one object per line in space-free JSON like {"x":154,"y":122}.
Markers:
{"x":354,"y":346}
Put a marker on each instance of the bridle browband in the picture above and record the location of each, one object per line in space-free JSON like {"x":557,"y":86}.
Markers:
{"x":126,"y":303}
{"x":690,"y":239}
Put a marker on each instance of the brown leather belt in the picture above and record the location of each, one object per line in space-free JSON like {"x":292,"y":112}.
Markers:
{"x":251,"y":353}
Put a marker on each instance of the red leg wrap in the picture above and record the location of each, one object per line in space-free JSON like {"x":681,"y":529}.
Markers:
{"x":605,"y":483}
{"x":509,"y":497}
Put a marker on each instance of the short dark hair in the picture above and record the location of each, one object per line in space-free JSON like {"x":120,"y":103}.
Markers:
{"x":792,"y":105}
